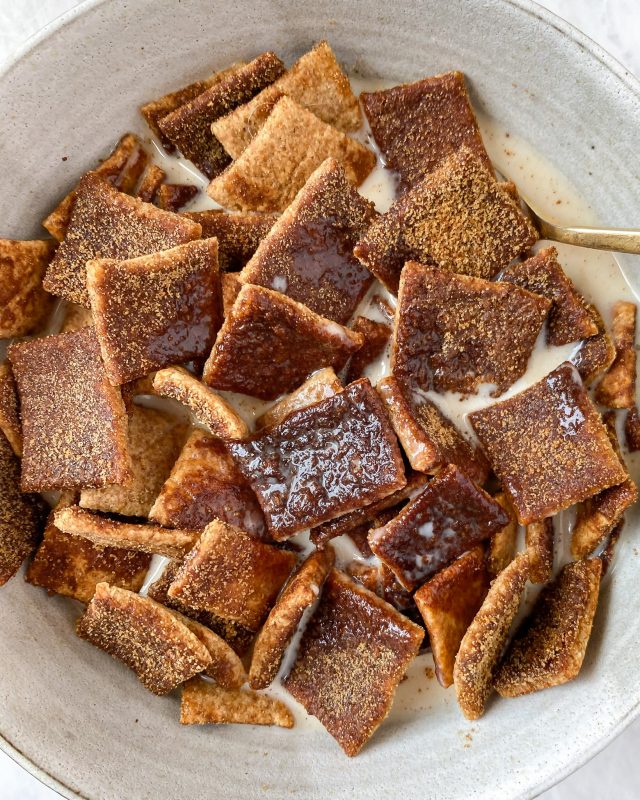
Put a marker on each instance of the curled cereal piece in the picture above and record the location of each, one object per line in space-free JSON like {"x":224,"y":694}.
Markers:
{"x":539,"y":537}
{"x":152,"y":178}
{"x":204,"y":703}
{"x":10,"y":423}
{"x":617,"y":389}
{"x":24,"y":304}
{"x":322,"y":384}
{"x":632,"y":430}
{"x":502,"y":545}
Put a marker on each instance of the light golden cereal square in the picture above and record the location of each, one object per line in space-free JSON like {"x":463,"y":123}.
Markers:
{"x":204,"y":703}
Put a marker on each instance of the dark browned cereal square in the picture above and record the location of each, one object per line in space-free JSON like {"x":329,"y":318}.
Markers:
{"x":174,"y":196}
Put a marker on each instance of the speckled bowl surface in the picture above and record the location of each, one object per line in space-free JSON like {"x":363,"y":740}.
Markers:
{"x":77,"y":719}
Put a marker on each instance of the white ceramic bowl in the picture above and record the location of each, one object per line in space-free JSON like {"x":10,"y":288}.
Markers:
{"x":78,"y":720}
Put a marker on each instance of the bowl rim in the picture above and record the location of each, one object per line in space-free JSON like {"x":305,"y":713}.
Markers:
{"x":575,"y":36}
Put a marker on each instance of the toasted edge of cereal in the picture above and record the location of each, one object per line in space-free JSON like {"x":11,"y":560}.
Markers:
{"x":632,"y":429}
{"x":608,"y":553}
{"x":539,"y":539}
{"x":10,"y":423}
{"x":502,"y":545}
{"x":322,"y":384}
{"x":617,"y":389}
{"x":596,"y":354}
{"x":174,"y":196}
{"x":150,"y":182}
{"x":204,"y":703}
{"x":599,"y":515}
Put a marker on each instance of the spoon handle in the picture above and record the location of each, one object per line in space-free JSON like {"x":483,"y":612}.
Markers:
{"x":622,"y":240}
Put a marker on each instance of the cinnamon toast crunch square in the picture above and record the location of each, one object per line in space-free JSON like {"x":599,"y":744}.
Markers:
{"x":232,"y":574}
{"x":457,"y":218}
{"x":151,"y":180}
{"x":617,"y":389}
{"x":632,"y":429}
{"x":455,"y":332}
{"x":10,"y":424}
{"x":268,"y":344}
{"x":501,"y":548}
{"x":352,"y":656}
{"x":539,"y":540}
{"x":23,"y":302}
{"x":450,"y":516}
{"x":308,"y":253}
{"x":376,"y":336}
{"x":548,"y":446}
{"x":106,"y":223}
{"x":145,"y":636}
{"x":315,"y":81}
{"x":291,"y":144}
{"x":416,"y":125}
{"x":596,"y":354}
{"x":74,"y":422}
{"x":238,"y":235}
{"x":322,"y":461}
{"x":322,"y":384}
{"x":155,"y":310}
{"x":204,"y":703}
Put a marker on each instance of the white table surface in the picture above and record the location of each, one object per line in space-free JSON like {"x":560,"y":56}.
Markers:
{"x":614,"y":24}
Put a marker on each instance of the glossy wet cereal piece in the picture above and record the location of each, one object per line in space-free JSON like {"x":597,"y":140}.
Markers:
{"x":302,"y":590}
{"x":457,"y":218}
{"x":151,"y":180}
{"x":154,"y":440}
{"x":322,"y":461}
{"x":455,"y":332}
{"x":549,"y":648}
{"x":74,"y":422}
{"x":174,"y":196}
{"x":232,"y":574}
{"x":617,"y":389}
{"x":448,"y":603}
{"x":268,"y":344}
{"x":416,"y":125}
{"x":352,"y":656}
{"x":376,"y":336}
{"x":238,"y":235}
{"x":204,"y":703}
{"x":450,"y":516}
{"x":548,"y":446}
{"x":10,"y":424}
{"x":189,"y":126}
{"x":539,"y":538}
{"x":121,"y":169}
{"x":485,"y":638}
{"x":315,"y":81}
{"x":23,"y":302}
{"x":632,"y":429}
{"x":429,"y":439}
{"x":141,"y":537}
{"x":155,"y":310}
{"x":106,"y":223}
{"x":205,"y":484}
{"x":291,"y":144}
{"x":569,"y":318}
{"x":595,"y":354}
{"x":502,"y":545}
{"x":319,"y":386}
{"x":145,"y":636}
{"x":308,"y":253}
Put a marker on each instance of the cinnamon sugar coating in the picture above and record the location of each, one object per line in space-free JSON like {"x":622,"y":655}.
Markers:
{"x":291,"y":144}
{"x":204,"y":703}
{"x":548,"y":446}
{"x":268,"y":344}
{"x":155,"y":310}
{"x":174,"y":196}
{"x":24,"y":304}
{"x":74,"y":422}
{"x":617,"y":389}
{"x":450,"y":516}
{"x":376,"y":336}
{"x":308,"y":253}
{"x":457,"y":218}
{"x":416,"y":125}
{"x":319,"y":386}
{"x":632,"y":429}
{"x":188,"y":127}
{"x":596,"y":354}
{"x":352,"y":656}
{"x":502,"y":545}
{"x":322,"y":461}
{"x":143,"y":635}
{"x":539,"y":539}
{"x":549,"y":648}
{"x":238,"y":235}
{"x":10,"y":424}
{"x":455,"y":332}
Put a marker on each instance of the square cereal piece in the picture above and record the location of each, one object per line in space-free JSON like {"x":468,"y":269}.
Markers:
{"x":548,"y":446}
{"x":457,"y":218}
{"x":189,"y":126}
{"x":450,"y":516}
{"x":549,"y":648}
{"x":539,"y":540}
{"x":302,"y":590}
{"x":207,"y":407}
{"x":608,"y":553}
{"x":145,"y":636}
{"x":204,"y":703}
{"x":322,"y":461}
{"x":631,"y":429}
{"x":21,"y":515}
{"x":485,"y":638}
{"x":232,"y":574}
{"x":416,"y":125}
{"x":448,"y":603}
{"x":502,"y":545}
{"x":352,"y":656}
{"x":151,"y":180}
{"x":456,"y":332}
{"x":106,"y":223}
{"x":291,"y":144}
{"x":174,"y":196}
{"x":596,"y":354}
{"x":154,"y":442}
{"x":569,"y":318}
{"x":238,"y":235}
{"x":205,"y":484}
{"x":308,"y":253}
{"x":429,"y":439}
{"x":74,"y":422}
{"x":10,"y":424}
{"x":322,"y":384}
{"x":23,"y":302}
{"x":315,"y":81}
{"x":268,"y":344}
{"x":155,"y":310}
{"x":617,"y":389}
{"x":122,"y":169}
{"x":376,"y":337}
